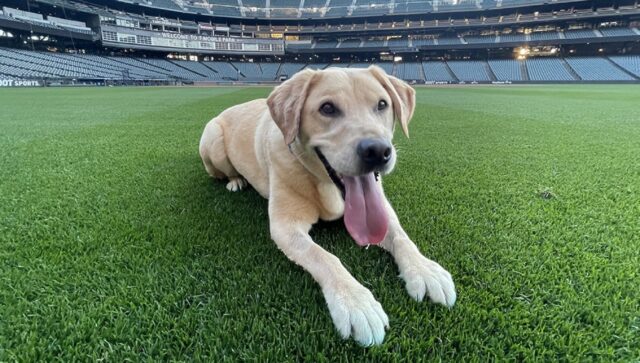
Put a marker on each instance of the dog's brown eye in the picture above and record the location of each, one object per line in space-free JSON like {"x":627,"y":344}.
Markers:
{"x":328,"y":109}
{"x":382,"y":104}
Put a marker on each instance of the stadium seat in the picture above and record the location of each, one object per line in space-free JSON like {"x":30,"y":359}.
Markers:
{"x":617,"y":32}
{"x":470,"y":71}
{"x":250,"y":72}
{"x":269,"y":70}
{"x":536,"y":36}
{"x":409,"y":71}
{"x":631,"y":63}
{"x":480,"y":40}
{"x":580,"y":34}
{"x":449,"y":41}
{"x":597,"y":69}
{"x":507,"y":70}
{"x":200,"y":69}
{"x":548,"y":69}
{"x":326,"y":44}
{"x":387,"y":66}
{"x":512,"y":38}
{"x":226,"y":71}
{"x":437,"y":72}
{"x":350,"y":43}
{"x":317,"y":65}
{"x":289,"y":69}
{"x":29,"y":64}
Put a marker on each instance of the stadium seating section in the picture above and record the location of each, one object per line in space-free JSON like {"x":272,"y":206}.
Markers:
{"x":25,"y":64}
{"x":629,"y":63}
{"x":507,"y":70}
{"x":460,"y":41}
{"x":597,"y":69}
{"x":551,"y":69}
{"x":470,"y":71}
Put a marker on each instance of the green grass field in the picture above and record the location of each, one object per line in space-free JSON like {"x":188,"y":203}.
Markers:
{"x":115,"y":245}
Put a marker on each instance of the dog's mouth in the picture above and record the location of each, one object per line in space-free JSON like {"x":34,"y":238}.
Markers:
{"x":365,"y":213}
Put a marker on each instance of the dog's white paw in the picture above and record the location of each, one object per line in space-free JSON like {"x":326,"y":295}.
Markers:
{"x":236,"y":183}
{"x":423,"y":276}
{"x":355,"y":312}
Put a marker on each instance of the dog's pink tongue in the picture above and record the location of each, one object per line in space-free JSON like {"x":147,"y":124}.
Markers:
{"x":364,"y":213}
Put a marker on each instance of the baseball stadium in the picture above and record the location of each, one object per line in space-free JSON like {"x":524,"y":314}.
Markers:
{"x":520,"y":176}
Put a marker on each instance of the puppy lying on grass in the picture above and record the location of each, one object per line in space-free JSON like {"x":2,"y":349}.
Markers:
{"x":317,"y":148}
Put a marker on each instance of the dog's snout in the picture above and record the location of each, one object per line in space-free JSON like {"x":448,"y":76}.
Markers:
{"x":374,"y":152}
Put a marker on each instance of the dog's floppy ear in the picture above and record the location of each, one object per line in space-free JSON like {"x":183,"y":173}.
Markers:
{"x":286,"y":102}
{"x":402,"y":95}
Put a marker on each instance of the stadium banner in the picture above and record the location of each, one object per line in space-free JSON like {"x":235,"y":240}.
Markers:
{"x":19,"y":83}
{"x":201,"y":37}
{"x":144,"y":38}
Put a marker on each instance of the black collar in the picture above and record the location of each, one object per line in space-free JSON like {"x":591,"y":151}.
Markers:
{"x":332,"y":173}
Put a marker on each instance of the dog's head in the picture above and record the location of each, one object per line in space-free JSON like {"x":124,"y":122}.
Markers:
{"x":347,"y":117}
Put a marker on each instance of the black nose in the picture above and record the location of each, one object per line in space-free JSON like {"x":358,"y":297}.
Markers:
{"x":374,"y":152}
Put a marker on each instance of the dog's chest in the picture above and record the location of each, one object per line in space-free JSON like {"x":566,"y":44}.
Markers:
{"x":331,"y":202}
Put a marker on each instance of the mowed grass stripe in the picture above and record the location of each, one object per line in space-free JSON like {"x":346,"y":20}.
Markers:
{"x":114,"y":243}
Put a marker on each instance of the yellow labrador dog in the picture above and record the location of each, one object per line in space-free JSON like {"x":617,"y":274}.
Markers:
{"x":316,"y":148}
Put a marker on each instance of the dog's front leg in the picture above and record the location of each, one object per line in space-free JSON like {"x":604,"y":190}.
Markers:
{"x":421,"y":275}
{"x":354,"y":310}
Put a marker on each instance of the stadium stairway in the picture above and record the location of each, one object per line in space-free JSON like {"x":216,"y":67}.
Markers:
{"x":571,"y":71}
{"x":186,"y":65}
{"x":201,"y":68}
{"x":269,"y":70}
{"x":622,"y":69}
{"x":489,"y":71}
{"x":170,"y":68}
{"x":598,"y":69}
{"x":225,"y":69}
{"x":629,"y":63}
{"x":135,"y":66}
{"x":289,"y":69}
{"x":421,"y":70}
{"x":524,"y":71}
{"x":453,"y":75}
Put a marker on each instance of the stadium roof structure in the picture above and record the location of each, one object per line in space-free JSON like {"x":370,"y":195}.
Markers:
{"x":329,"y":9}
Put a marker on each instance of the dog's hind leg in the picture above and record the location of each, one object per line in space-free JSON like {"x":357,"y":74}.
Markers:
{"x":215,"y":159}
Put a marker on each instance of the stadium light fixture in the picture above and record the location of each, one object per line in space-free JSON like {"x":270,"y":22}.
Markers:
{"x":397,"y":58}
{"x":522,"y":53}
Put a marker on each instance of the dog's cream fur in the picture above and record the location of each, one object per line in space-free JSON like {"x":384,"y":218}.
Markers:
{"x":269,"y":143}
